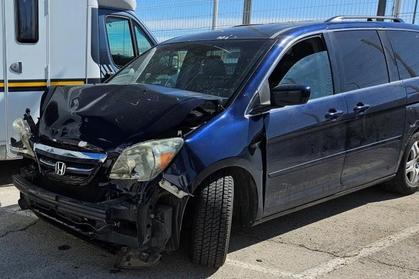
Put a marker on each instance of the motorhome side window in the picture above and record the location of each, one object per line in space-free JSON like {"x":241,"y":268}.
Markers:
{"x":120,"y":40}
{"x":27,"y":21}
{"x":143,"y":43}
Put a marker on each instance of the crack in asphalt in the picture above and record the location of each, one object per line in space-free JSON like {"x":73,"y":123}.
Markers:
{"x":19,"y":230}
{"x":392,"y":265}
{"x":300,"y":245}
{"x":335,"y":255}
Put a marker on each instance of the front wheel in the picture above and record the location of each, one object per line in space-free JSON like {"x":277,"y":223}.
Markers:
{"x":406,"y":181}
{"x":212,"y":221}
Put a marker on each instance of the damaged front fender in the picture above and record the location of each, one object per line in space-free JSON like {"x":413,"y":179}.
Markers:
{"x":206,"y":152}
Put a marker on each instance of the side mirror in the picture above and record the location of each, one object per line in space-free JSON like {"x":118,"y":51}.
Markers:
{"x":288,"y":95}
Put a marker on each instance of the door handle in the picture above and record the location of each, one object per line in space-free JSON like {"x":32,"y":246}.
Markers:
{"x":333,"y":114}
{"x":16,"y":67}
{"x":360,"y":107}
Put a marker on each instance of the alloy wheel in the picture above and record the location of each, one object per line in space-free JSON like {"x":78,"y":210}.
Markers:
{"x":412,"y":164}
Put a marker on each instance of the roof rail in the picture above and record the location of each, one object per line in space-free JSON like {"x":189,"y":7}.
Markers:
{"x":368,"y":18}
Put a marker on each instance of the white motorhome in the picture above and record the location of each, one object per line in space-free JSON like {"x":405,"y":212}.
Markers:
{"x":60,"y":42}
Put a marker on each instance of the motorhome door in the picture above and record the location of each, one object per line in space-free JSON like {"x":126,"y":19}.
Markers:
{"x":26,"y":43}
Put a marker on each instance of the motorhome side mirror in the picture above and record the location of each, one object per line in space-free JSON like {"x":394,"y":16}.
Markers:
{"x":288,"y":95}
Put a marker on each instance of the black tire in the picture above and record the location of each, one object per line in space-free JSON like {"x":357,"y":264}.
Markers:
{"x":400,"y":183}
{"x":212,"y":222}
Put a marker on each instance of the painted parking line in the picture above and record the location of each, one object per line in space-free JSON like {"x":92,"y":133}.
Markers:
{"x":257,"y":268}
{"x":336,"y":263}
{"x":369,"y":250}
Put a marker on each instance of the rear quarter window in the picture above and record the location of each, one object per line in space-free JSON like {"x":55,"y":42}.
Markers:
{"x":405,"y":46}
{"x":361,"y":59}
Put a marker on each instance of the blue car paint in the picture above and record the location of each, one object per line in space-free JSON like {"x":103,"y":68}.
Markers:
{"x":234,"y":140}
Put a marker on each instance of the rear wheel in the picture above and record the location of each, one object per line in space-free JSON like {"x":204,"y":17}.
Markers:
{"x":212,"y":221}
{"x":407,"y":179}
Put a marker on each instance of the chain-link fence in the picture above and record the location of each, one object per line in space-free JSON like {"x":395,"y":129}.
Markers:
{"x":170,"y":18}
{"x":408,"y":11}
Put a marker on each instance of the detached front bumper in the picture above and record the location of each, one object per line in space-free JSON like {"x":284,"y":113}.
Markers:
{"x":112,"y":221}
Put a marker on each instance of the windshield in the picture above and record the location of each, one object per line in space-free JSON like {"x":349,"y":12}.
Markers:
{"x":215,"y":68}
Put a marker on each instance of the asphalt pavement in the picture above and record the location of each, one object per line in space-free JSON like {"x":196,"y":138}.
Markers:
{"x":368,"y":234}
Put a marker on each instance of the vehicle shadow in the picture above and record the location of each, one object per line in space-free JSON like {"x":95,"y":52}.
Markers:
{"x":299,"y":219}
{"x":74,"y":258}
{"x":7,"y":169}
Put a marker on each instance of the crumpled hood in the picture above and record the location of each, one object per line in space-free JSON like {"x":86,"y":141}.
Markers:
{"x":108,"y":116}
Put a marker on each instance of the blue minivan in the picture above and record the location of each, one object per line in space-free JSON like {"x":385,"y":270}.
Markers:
{"x":239,"y":125}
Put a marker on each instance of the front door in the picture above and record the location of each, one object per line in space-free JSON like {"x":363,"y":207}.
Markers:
{"x":305,"y":144}
{"x":26,"y":58}
{"x":376,"y":106}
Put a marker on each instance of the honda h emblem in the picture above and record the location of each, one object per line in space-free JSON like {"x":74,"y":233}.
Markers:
{"x":60,"y":168}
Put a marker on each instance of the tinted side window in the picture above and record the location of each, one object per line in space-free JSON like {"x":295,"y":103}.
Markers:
{"x":27,"y":21}
{"x":306,"y":63}
{"x":142,"y":41}
{"x":406,"y":52}
{"x":361,"y":59}
{"x":120,"y":40}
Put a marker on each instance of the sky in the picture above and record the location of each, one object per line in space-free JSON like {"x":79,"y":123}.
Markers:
{"x":170,"y":18}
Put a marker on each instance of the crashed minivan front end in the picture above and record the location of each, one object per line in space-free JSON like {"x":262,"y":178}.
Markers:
{"x":99,"y":171}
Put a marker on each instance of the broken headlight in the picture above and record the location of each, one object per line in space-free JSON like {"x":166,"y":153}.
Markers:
{"x":24,"y":132}
{"x":144,"y":161}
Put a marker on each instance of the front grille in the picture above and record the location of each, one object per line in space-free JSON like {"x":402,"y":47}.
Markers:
{"x":75,"y":167}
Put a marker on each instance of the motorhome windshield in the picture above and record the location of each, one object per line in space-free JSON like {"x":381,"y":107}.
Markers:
{"x":211,"y":67}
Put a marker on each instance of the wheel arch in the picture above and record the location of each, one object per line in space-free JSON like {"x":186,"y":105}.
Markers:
{"x":248,"y":187}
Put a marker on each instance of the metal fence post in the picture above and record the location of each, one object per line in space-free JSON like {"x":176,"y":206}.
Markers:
{"x":381,"y":9}
{"x":247,"y":12}
{"x":215,"y":15}
{"x":397,"y":7}
{"x":414,"y":12}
